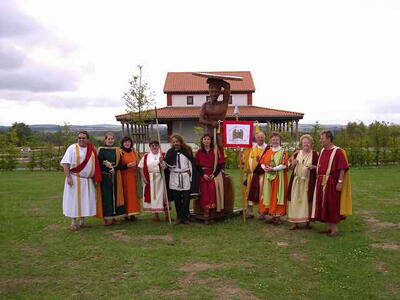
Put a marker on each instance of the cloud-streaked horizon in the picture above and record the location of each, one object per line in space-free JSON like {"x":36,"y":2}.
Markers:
{"x":328,"y":60}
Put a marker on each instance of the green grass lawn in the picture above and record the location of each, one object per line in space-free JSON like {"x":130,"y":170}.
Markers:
{"x":40,"y":258}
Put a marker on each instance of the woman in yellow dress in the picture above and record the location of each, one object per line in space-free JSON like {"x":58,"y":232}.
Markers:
{"x":302,"y":183}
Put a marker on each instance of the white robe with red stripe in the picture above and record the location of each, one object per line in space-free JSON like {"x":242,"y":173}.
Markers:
{"x":79,"y":200}
{"x":156,"y":205}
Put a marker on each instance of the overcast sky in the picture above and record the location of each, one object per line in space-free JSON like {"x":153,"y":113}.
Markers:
{"x":70,"y":61}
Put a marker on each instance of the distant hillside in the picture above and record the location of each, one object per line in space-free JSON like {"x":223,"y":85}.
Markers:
{"x":332,"y":127}
{"x":89,"y":128}
{"x":94,"y":130}
{"x":98,"y":129}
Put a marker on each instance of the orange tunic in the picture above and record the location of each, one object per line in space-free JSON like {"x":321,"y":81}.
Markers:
{"x":274,"y":208}
{"x":129,"y":181}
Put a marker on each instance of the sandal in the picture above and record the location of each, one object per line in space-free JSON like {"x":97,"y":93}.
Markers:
{"x":84,"y":226}
{"x":106,"y":223}
{"x":261,"y":217}
{"x":334,"y":234}
{"x":270,"y":221}
{"x":324,"y":231}
{"x":115,"y":222}
{"x":74,"y":228}
{"x":308,"y":226}
{"x":293,"y":227}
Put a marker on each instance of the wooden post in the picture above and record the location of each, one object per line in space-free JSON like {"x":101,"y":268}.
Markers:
{"x":291,"y":129}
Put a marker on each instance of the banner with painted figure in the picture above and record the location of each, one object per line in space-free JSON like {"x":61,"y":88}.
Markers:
{"x":238,"y":134}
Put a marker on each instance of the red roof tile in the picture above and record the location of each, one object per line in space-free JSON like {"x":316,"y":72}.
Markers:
{"x":183,"y":82}
{"x":248,"y":111}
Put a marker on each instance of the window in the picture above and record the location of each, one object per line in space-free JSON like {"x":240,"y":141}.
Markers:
{"x":189,"y":100}
{"x":208,"y":98}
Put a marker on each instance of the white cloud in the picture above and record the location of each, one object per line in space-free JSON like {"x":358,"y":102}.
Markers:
{"x":323,"y":58}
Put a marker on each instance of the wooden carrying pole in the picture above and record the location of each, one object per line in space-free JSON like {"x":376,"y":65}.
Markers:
{"x":161,"y":170}
{"x":244,"y":200}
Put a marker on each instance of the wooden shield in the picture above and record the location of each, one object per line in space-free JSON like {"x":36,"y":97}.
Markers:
{"x":218,"y":76}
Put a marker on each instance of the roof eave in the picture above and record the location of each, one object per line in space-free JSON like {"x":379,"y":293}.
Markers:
{"x":204,"y":91}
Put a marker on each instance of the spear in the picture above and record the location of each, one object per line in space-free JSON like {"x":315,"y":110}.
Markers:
{"x":161,"y":170}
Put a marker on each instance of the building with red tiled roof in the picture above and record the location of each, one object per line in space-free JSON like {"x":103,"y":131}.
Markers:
{"x":186,"y":93}
{"x":185,"y":82}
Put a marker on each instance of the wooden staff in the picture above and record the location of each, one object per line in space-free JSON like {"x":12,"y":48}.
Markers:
{"x":161,"y":170}
{"x":244,"y":200}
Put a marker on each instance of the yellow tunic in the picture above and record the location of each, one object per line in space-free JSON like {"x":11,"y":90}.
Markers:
{"x":250,"y":163}
{"x":298,"y":206}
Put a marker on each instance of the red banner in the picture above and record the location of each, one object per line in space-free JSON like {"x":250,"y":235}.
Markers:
{"x":238,"y":134}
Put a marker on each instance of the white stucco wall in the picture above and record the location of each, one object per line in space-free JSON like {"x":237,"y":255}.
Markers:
{"x":198,"y":100}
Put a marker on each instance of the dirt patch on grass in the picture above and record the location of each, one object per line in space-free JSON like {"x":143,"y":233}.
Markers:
{"x":32,"y":250}
{"x":371,"y":219}
{"x":174,"y":294}
{"x":222,"y":288}
{"x":368,"y":212}
{"x":120,"y":235}
{"x":388,"y":225}
{"x":198,"y":267}
{"x":192,"y":270}
{"x":298,"y":256}
{"x":271,"y":230}
{"x":380,"y":266}
{"x":227,"y":291}
{"x":386,"y":246}
{"x":167,"y":237}
{"x":7,"y":285}
{"x":53,"y":227}
{"x":377,"y":224}
{"x":282,"y":244}
{"x":54,"y":197}
{"x":389,"y":200}
{"x":37,"y":211}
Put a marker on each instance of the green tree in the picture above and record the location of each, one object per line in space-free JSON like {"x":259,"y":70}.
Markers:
{"x":41,"y":159}
{"x":65,"y":136}
{"x":32,"y":161}
{"x":11,"y":155}
{"x":315,"y":131}
{"x":198,"y":132}
{"x":23,"y":133}
{"x":378,"y":133}
{"x":394,"y":142}
{"x":139,"y":99}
